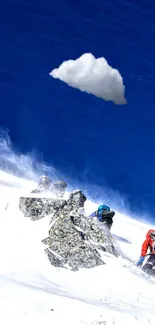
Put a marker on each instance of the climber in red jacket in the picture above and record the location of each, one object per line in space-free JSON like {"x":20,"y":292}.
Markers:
{"x":149,"y":243}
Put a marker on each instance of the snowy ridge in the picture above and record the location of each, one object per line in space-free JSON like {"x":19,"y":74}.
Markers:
{"x":32,"y":290}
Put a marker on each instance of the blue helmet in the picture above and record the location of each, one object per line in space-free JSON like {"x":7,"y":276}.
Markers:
{"x":102,"y":208}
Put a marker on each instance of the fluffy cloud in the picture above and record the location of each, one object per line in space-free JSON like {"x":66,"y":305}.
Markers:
{"x":94,"y":76}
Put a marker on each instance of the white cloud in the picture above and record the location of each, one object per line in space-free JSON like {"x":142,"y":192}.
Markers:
{"x":94,"y":76}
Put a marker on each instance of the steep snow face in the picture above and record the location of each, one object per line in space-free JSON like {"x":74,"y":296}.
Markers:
{"x":34,"y":291}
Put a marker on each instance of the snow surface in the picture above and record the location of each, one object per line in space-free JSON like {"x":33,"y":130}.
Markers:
{"x":32,"y":291}
{"x":94,"y":76}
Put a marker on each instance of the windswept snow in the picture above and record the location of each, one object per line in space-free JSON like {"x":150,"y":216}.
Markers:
{"x":32,"y":291}
{"x":94,"y":76}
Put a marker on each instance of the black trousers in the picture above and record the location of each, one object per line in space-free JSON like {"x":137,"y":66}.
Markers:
{"x":149,"y":266}
{"x":107,"y":223}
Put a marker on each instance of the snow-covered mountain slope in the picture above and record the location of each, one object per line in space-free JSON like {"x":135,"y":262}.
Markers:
{"x":31,"y":290}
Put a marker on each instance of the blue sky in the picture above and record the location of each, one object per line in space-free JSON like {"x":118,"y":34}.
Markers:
{"x":94,"y":141}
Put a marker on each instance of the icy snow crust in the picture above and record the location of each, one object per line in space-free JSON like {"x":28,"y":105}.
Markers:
{"x":31,"y":290}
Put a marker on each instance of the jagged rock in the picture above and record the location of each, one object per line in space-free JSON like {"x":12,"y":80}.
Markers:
{"x":37,"y":208}
{"x":75,"y":240}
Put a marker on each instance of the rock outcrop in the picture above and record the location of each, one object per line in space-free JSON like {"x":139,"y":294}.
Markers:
{"x":74,"y":240}
{"x":38,"y":208}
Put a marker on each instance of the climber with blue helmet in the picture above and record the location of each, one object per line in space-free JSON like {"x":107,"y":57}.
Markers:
{"x":104,"y":215}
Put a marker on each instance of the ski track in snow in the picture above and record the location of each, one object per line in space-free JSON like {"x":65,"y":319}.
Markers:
{"x":32,"y":290}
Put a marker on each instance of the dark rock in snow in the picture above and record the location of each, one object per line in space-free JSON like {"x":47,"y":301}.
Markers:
{"x":75,"y":240}
{"x":37,"y":208}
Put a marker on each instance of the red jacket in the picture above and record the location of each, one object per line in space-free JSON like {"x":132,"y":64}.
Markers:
{"x":148,"y":243}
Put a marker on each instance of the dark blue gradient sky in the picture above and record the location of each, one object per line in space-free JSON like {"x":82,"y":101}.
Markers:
{"x":93,"y":140}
